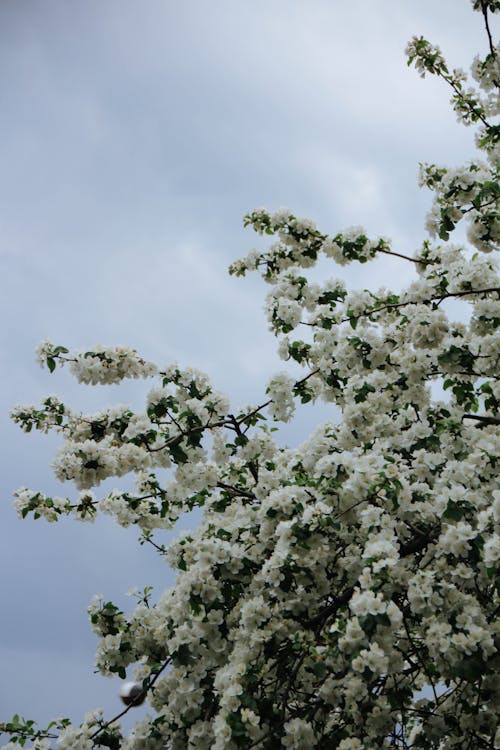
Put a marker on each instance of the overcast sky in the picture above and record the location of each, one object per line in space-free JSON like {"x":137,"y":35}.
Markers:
{"x":134,"y":135}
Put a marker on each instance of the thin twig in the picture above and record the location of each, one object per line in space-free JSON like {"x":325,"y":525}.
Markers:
{"x":405,"y":257}
{"x":482,"y":205}
{"x":484,"y":9}
{"x":395,"y":305}
{"x":235,"y":490}
{"x":459,"y":94}
{"x":159,"y":547}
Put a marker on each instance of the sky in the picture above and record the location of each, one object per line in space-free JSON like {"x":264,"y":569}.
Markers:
{"x":134,"y":136}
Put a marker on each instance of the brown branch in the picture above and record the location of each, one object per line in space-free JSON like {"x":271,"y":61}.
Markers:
{"x":252,"y":464}
{"x":270,"y":401}
{"x":423,"y":665}
{"x":253,"y":412}
{"x":419,"y":543}
{"x":472,"y":291}
{"x":484,"y":9}
{"x":30,"y":734}
{"x":394,"y":305}
{"x":485,"y":421}
{"x":473,"y":109}
{"x":159,"y":547}
{"x":405,"y":257}
{"x":409,"y":548}
{"x":482,"y":205}
{"x":293,"y":674}
{"x":235,"y":490}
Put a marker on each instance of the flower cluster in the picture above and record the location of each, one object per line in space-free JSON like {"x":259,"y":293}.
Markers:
{"x":103,"y":365}
{"x":300,"y":243}
{"x":469,"y":105}
{"x":472,"y":192}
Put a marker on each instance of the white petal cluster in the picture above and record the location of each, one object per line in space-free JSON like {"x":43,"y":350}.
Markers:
{"x":280,"y":391}
{"x":106,"y":365}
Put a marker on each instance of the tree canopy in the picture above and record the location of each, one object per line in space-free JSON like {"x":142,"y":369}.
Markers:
{"x":341,"y":594}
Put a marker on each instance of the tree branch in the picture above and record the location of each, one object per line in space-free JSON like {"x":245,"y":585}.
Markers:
{"x":419,"y":261}
{"x":484,"y":421}
{"x":477,"y":112}
{"x":395,"y":305}
{"x":235,"y":490}
{"x":132,"y":705}
{"x":484,"y":9}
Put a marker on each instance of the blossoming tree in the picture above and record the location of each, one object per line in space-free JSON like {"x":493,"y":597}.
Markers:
{"x":338,"y":595}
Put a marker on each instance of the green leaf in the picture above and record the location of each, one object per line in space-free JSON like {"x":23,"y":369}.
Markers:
{"x":241,"y":440}
{"x":178,"y":454}
{"x":182,"y":656}
{"x":471,"y":669}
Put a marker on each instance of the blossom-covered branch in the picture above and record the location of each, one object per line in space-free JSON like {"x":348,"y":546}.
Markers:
{"x":341,"y":593}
